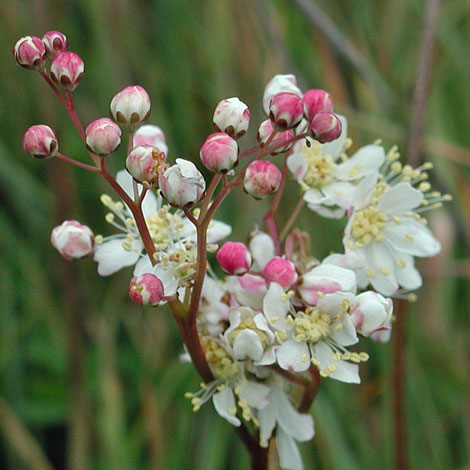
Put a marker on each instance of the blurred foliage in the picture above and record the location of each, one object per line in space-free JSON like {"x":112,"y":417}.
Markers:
{"x":96,"y":381}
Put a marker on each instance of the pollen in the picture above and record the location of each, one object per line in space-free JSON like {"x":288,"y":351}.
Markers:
{"x":319,"y":166}
{"x":368,"y":224}
{"x":312,"y":326}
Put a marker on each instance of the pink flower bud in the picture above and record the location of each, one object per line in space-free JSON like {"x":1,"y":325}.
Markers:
{"x":232,"y":116}
{"x":279,"y":84}
{"x":265,"y":130}
{"x":285,"y":110}
{"x":73,"y":240}
{"x":234,"y":258}
{"x":219,"y":152}
{"x":151,"y":135}
{"x":261,"y":178}
{"x":103,"y":136}
{"x":55,"y":42}
{"x":146,"y":289}
{"x":315,"y":102}
{"x":325,"y":127}
{"x":145,"y":163}
{"x":280,"y":270}
{"x":40,"y":142}
{"x":131,"y":107}
{"x":182,"y":184}
{"x":67,"y":70}
{"x":30,"y":52}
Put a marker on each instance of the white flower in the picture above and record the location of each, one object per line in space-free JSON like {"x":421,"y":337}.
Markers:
{"x":386,"y":231}
{"x":173,"y":234}
{"x":371,"y":313}
{"x":326,"y":173}
{"x":315,"y":335}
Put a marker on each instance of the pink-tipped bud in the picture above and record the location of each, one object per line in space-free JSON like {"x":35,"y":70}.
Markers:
{"x":145,"y":163}
{"x":325,"y":127}
{"x":265,"y":130}
{"x":219,"y":152}
{"x":234,"y":258}
{"x":279,"y":84}
{"x":40,"y":142}
{"x":150,"y":135}
{"x":67,"y":70}
{"x":182,"y":184}
{"x":73,"y":240}
{"x":261,"y":178}
{"x":55,"y":42}
{"x":30,"y":52}
{"x":285,"y":110}
{"x":103,"y":136}
{"x":131,"y":107}
{"x":232,"y":116}
{"x":280,"y":270}
{"x":315,"y":102}
{"x":146,"y":289}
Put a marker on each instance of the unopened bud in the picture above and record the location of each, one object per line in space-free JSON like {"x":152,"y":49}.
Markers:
{"x":73,"y":240}
{"x":315,"y":102}
{"x":30,"y":52}
{"x":280,"y":270}
{"x":150,"y":135}
{"x":234,"y":258}
{"x":279,"y":84}
{"x":103,"y":136}
{"x":67,"y":70}
{"x":285,"y":110}
{"x":232,"y":116}
{"x":261,"y":178}
{"x":145,"y":163}
{"x":131,"y":107}
{"x":219,"y":152}
{"x":325,"y":127}
{"x":182,"y":184}
{"x":55,"y":42}
{"x":40,"y":142}
{"x":265,"y":130}
{"x":146,"y":289}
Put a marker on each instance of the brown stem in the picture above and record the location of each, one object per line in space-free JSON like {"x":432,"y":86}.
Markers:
{"x":310,"y":391}
{"x":269,"y":221}
{"x":401,"y":450}
{"x":292,"y":219}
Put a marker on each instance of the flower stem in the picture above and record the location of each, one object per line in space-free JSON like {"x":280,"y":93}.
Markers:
{"x":292,"y":219}
{"x":76,"y":163}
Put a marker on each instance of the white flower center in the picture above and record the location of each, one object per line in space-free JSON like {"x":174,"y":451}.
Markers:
{"x":220,"y":363}
{"x":312,"y":325}
{"x":319,"y":167}
{"x":367,"y":225}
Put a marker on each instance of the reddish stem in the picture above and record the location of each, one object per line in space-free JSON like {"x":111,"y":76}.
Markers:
{"x":74,"y":116}
{"x":76,"y":163}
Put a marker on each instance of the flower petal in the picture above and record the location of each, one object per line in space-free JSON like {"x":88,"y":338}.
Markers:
{"x":400,"y":198}
{"x":111,"y":256}
{"x":366,"y":160}
{"x":262,"y":249}
{"x":255,"y":394}
{"x":297,"y":165}
{"x":293,"y":355}
{"x":274,"y":307}
{"x":289,"y":455}
{"x":224,"y":403}
{"x":218,"y":231}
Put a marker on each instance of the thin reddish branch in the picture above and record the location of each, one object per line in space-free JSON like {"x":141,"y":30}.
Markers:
{"x":84,"y":166}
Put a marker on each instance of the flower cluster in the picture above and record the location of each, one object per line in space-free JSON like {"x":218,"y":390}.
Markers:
{"x":280,"y":321}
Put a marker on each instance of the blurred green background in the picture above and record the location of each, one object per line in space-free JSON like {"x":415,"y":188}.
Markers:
{"x":90,"y":381}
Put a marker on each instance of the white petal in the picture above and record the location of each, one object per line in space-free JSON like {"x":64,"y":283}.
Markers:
{"x":314,"y":197}
{"x":366,"y":160}
{"x":347,"y":261}
{"x":341,"y":192}
{"x":422,"y":242}
{"x":255,"y":394}
{"x":111,"y":257}
{"x":400,"y":198}
{"x":289,"y":455}
{"x":293,"y":355}
{"x":267,"y":422}
{"x":169,"y":281}
{"x":295,"y":424}
{"x":250,"y":290}
{"x":274,"y":307}
{"x":149,"y":204}
{"x":143,"y":266}
{"x":363,"y":195}
{"x":218,"y":231}
{"x":262,"y":249}
{"x":344,"y":371}
{"x":381,"y":260}
{"x":408,"y":277}
{"x":247,"y":345}
{"x":223,"y":402}
{"x":346,"y":335}
{"x":297,"y":165}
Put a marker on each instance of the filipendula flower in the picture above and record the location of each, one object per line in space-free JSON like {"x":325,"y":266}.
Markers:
{"x":327,"y":174}
{"x":173,"y":234}
{"x":386,"y":229}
